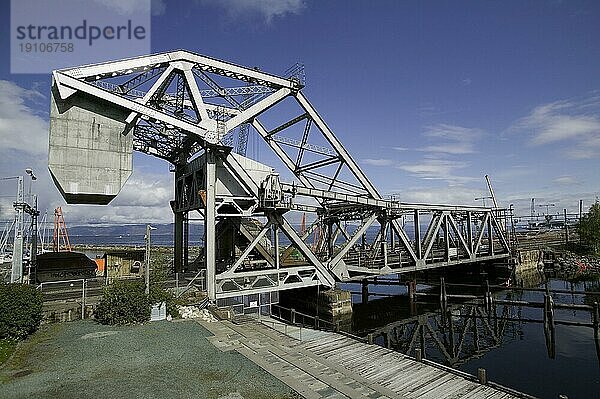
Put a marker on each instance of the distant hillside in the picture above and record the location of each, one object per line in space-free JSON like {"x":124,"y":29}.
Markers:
{"x":131,"y":234}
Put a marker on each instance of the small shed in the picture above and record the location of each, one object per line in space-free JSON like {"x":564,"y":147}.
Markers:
{"x":124,"y":262}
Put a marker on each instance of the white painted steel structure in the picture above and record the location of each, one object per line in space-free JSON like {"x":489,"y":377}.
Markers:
{"x":183,"y":107}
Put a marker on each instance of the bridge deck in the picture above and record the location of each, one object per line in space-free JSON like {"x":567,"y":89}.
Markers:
{"x":329,"y":365}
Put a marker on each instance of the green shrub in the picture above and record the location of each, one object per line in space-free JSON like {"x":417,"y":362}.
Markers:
{"x":589,"y":229}
{"x":124,"y":302}
{"x":157,"y":295}
{"x":20,"y":310}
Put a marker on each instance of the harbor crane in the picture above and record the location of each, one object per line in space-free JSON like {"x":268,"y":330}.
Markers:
{"x":547,"y":206}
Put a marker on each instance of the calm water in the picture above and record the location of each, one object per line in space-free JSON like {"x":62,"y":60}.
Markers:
{"x":506,"y":340}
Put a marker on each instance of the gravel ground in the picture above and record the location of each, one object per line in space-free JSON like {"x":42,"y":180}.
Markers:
{"x":83,"y":359}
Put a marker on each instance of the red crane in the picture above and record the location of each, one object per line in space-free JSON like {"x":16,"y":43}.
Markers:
{"x":60,"y":232}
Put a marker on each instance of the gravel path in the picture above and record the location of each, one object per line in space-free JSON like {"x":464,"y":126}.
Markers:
{"x":157,"y":360}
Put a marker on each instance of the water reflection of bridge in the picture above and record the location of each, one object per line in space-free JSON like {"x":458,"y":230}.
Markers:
{"x":458,"y":334}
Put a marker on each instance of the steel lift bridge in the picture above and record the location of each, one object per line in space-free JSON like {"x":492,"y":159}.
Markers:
{"x":185,"y":108}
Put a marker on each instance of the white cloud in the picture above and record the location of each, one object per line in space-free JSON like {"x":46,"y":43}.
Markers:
{"x":433,"y":167}
{"x":130,"y":7}
{"x":21,"y":128}
{"x":566,"y":180}
{"x":575,"y":123}
{"x":453,"y":195}
{"x":511,"y":173}
{"x":144,"y":199}
{"x":378,"y":162}
{"x":158,"y":7}
{"x":146,"y":191}
{"x":451,"y":139}
{"x":24,"y":144}
{"x":437,"y":169}
{"x":7,"y":212}
{"x":268,"y":9}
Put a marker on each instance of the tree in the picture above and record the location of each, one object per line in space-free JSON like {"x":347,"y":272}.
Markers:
{"x":589,"y":228}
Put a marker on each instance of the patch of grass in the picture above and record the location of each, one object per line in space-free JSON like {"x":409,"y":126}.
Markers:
{"x":7,"y":347}
{"x":21,"y":360}
{"x":20,"y":363}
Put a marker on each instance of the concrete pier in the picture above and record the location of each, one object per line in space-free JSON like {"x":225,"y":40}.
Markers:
{"x":329,"y":304}
{"x":529,"y":260}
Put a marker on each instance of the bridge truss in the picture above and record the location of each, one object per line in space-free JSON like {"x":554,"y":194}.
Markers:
{"x":184,"y":108}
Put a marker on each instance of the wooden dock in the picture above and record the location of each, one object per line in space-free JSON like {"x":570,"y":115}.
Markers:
{"x":329,"y":365}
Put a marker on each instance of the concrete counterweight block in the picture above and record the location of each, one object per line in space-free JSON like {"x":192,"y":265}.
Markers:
{"x":89,"y":157}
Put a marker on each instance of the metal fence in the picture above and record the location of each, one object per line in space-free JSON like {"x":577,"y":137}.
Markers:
{"x":86,"y":293}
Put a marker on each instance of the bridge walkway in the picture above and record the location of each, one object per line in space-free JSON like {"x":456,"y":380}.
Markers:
{"x":330,"y":365}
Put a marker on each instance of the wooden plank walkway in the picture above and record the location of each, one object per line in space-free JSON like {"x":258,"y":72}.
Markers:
{"x":329,"y":365}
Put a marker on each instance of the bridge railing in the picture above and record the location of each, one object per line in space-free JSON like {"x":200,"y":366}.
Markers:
{"x":304,"y":320}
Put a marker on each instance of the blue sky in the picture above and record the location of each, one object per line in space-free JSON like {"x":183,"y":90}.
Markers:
{"x":428,"y":96}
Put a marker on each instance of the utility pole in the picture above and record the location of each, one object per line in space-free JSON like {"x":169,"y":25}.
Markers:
{"x":147,"y":266}
{"x":32,"y":210}
{"x":34,"y":242}
{"x":17,"y":259}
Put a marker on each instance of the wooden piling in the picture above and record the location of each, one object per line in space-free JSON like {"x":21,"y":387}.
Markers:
{"x":386,"y":341}
{"x":549,"y":310}
{"x":549,"y":327}
{"x":596,"y":322}
{"x":365,"y":291}
{"x":443,"y":294}
{"x":422,"y":340}
{"x":482,"y":376}
{"x":412,"y":289}
{"x":486,"y":296}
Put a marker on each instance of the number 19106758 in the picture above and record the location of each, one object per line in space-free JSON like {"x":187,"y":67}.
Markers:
{"x":53,"y":47}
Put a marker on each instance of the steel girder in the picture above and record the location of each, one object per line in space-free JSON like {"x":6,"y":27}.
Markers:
{"x":178,"y":104}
